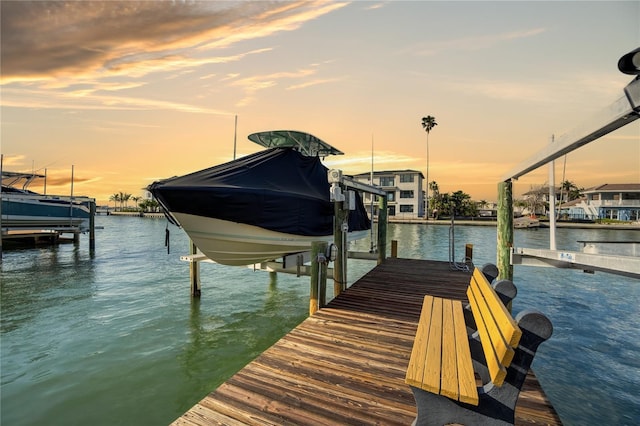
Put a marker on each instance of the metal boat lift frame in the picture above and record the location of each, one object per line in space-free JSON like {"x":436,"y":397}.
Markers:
{"x":625,"y":110}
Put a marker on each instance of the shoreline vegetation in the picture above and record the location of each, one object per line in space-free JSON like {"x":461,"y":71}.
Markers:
{"x":421,"y":221}
{"x":543,"y":224}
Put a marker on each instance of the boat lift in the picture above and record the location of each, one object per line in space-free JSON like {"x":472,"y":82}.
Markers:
{"x":594,"y":257}
{"x":341,"y":194}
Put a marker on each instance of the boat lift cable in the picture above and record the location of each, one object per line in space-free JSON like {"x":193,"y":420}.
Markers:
{"x":167,"y":240}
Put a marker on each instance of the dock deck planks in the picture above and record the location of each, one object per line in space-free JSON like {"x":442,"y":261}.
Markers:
{"x":346,"y":364}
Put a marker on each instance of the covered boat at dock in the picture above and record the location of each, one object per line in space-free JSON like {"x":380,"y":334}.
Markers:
{"x":26,"y":209}
{"x":259,"y":207}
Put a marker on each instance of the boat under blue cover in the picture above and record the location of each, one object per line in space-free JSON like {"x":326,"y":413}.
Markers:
{"x":278,"y":189}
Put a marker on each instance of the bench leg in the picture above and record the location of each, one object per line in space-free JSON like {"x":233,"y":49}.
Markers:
{"x":438,"y":410}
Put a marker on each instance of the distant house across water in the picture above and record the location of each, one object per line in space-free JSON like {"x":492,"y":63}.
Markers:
{"x":405,"y":196}
{"x":615,"y":201}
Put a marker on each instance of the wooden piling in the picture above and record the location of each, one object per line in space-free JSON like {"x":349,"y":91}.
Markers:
{"x":340,"y":263}
{"x":505,"y":230}
{"x":322,"y":282}
{"x":92,"y":225}
{"x":394,"y":249}
{"x":318,"y":263}
{"x":468,"y":252}
{"x":1,"y":165}
{"x":382,"y":229}
{"x":194,"y":271}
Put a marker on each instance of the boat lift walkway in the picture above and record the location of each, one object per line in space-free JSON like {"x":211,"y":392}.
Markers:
{"x":345,"y":364}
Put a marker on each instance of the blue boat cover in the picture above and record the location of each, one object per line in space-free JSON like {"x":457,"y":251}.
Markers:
{"x":277,"y":189}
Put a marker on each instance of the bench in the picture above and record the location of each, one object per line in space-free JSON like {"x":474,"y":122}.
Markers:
{"x":445,"y":356}
{"x":505,"y":289}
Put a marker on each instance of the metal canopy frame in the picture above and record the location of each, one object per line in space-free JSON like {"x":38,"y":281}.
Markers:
{"x":306,"y":143}
{"x":623,"y":111}
{"x":13,"y":178}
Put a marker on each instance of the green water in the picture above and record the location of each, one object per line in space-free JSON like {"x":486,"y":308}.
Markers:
{"x":113,"y":337}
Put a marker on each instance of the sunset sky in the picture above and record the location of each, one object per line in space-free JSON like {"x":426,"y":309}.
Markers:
{"x":131,"y":92}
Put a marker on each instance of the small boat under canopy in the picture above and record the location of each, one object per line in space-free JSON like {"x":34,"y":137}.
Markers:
{"x":262,"y":206}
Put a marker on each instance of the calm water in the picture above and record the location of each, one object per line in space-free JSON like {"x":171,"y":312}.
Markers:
{"x":114,"y":338}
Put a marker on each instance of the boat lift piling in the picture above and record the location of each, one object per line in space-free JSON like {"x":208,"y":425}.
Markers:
{"x":194,"y":272}
{"x":318,"y":288}
{"x":343,"y":195}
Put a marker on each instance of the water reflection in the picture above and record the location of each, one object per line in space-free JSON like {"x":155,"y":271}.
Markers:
{"x":223,"y":339}
{"x":33,"y":280}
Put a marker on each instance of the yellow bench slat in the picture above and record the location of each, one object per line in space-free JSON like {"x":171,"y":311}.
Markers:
{"x":440,"y":359}
{"x":466,"y":380}
{"x":502,"y":316}
{"x":449,"y":376}
{"x":503,"y":351}
{"x":496,"y":369}
{"x":431,"y":381}
{"x":415,"y":370}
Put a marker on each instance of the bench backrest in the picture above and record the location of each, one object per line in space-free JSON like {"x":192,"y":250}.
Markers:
{"x":499,"y":333}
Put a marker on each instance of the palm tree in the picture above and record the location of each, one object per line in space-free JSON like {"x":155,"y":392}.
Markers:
{"x":126,"y":197}
{"x":428,"y":123}
{"x":135,"y":200}
{"x":115,"y":198}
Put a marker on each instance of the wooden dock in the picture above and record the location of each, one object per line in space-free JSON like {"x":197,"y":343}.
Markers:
{"x":346,"y":364}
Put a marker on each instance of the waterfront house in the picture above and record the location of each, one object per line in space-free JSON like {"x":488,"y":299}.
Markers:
{"x":616,"y":201}
{"x":537,"y":200}
{"x":405,"y":195}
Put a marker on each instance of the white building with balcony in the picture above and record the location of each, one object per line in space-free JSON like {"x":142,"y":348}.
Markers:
{"x":405,"y":196}
{"x":617,"y":201}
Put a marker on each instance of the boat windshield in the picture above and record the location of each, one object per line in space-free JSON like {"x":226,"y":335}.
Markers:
{"x":305,"y":143}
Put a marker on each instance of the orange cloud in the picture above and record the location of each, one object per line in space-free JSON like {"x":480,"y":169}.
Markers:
{"x":50,"y":40}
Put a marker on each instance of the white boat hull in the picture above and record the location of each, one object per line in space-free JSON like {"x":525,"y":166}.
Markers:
{"x":237,"y":244}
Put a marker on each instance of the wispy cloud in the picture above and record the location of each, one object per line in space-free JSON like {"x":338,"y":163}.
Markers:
{"x":375,"y":6}
{"x":254,"y":84}
{"x":81,"y":47}
{"x":471,"y":43}
{"x":45,"y":40}
{"x":281,"y":16}
{"x":316,"y":82}
{"x":79,"y":100}
{"x":13,"y":160}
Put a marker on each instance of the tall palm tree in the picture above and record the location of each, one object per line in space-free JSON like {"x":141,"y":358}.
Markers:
{"x":428,"y":123}
{"x":116,"y":199}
